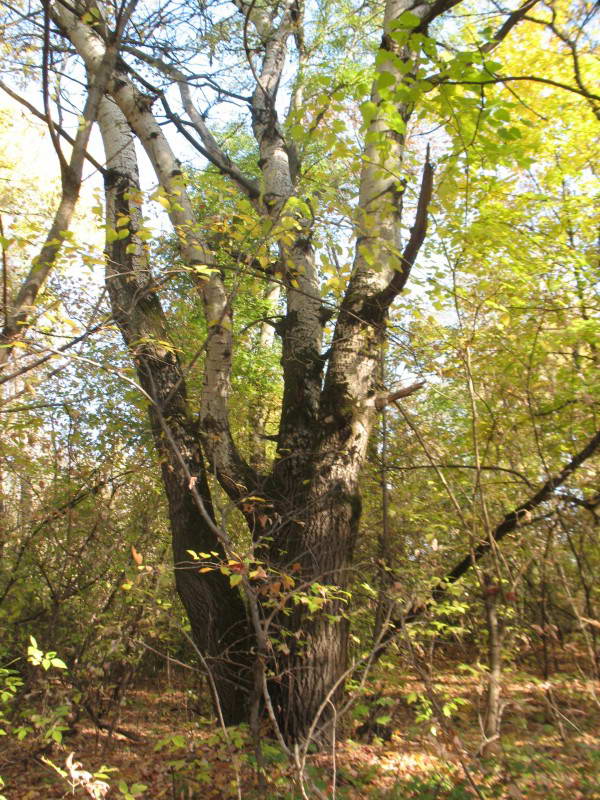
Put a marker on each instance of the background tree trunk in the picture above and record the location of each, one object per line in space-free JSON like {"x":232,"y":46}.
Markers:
{"x":491,"y":744}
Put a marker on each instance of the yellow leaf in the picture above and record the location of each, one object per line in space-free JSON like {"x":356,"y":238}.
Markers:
{"x":288,"y":582}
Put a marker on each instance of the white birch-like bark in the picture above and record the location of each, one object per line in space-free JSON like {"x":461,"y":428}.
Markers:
{"x":378,"y":253}
{"x":302,"y":330}
{"x":136,"y":108}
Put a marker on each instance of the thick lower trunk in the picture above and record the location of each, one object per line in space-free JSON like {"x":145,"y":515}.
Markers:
{"x":309,"y":685}
{"x":316,"y":549}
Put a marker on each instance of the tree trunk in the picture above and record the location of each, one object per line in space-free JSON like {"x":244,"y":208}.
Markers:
{"x":316,"y":543}
{"x":216,"y":612}
{"x":491,"y":743}
{"x":325,"y":429}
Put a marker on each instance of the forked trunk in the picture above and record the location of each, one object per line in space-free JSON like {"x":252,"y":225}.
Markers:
{"x":325,"y":423}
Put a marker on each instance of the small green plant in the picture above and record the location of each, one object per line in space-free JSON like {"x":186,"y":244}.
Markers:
{"x":131,"y":792}
{"x":50,"y":725}
{"x":37,"y":657}
{"x":429,"y":788}
{"x":10,"y":683}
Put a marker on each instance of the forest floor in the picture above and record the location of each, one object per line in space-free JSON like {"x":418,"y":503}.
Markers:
{"x":550,"y":749}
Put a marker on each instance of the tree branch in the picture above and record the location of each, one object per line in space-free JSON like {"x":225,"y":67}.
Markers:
{"x":533,"y":78}
{"x":435,"y":9}
{"x":40,"y":115}
{"x":491,"y":468}
{"x":385,"y":398}
{"x":574,"y":56}
{"x":512,"y":521}
{"x":519,"y":517}
{"x":212,"y":151}
{"x":19,"y":316}
{"x":507,"y":26}
{"x":209,"y":147}
{"x":417,"y":237}
{"x":502,"y":32}
{"x":136,"y":109}
{"x":302,"y":329}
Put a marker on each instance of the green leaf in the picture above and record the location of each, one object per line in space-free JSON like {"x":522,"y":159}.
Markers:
{"x":368,"y":111}
{"x":492,"y":66}
{"x":406,"y":20}
{"x":385,"y":79}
